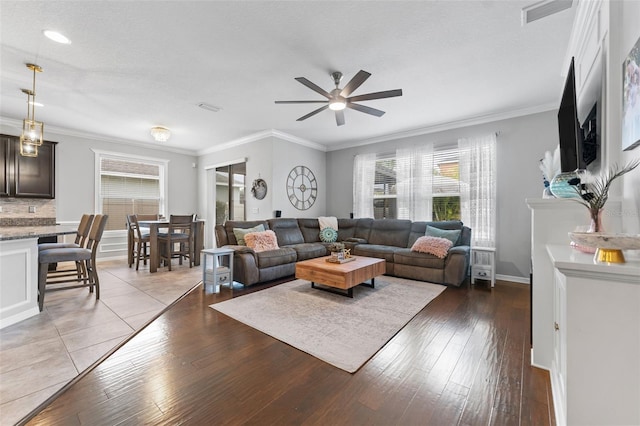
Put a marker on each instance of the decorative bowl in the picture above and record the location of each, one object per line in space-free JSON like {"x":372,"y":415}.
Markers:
{"x":606,"y":241}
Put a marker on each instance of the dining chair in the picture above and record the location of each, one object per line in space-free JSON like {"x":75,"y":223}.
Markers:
{"x":140,"y":241}
{"x":86,"y":255}
{"x":178,"y":240}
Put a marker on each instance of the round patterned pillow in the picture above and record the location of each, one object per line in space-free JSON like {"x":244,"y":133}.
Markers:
{"x":328,"y":235}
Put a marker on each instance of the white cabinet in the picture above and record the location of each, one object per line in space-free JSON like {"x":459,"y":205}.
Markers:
{"x":483,"y":264}
{"x":595,"y":373}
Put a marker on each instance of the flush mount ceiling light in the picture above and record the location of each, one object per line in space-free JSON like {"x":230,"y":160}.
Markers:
{"x":32,"y":130}
{"x":56,"y":36}
{"x":160,"y":134}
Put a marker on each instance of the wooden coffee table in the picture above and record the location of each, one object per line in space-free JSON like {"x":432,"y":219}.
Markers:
{"x":340,"y":278}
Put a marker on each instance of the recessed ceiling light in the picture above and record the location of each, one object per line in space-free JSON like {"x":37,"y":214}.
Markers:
{"x":56,"y":36}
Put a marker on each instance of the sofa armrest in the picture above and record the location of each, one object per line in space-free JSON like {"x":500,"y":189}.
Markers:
{"x":245,"y":265}
{"x":239,"y":249}
{"x":456,"y":266}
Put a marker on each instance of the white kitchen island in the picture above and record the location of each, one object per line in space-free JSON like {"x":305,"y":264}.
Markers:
{"x":19,"y":269}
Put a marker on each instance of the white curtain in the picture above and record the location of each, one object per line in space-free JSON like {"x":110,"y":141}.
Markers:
{"x":364,"y":175}
{"x":478,"y":188}
{"x":414,"y":181}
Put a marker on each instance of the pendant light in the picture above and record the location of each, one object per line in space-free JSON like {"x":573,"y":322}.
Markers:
{"x":32,"y":130}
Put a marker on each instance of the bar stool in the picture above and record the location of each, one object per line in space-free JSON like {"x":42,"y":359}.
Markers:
{"x":88,"y":277}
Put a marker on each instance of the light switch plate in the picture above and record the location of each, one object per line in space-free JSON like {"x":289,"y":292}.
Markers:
{"x":32,"y":209}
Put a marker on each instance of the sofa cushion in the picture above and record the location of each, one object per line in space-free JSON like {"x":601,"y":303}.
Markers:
{"x":306,"y":251}
{"x":405,"y":256}
{"x":390,"y":232}
{"x":310,"y":230}
{"x":287,"y":231}
{"x":374,"y":250}
{"x":452,"y":235}
{"x":418,"y":229}
{"x":436,"y":246}
{"x":241,"y":233}
{"x":346,"y":228}
{"x":276,"y":257}
{"x":261,"y":241}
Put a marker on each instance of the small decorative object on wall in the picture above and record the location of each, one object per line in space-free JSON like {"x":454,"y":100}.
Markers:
{"x":259,"y":188}
{"x":631,"y":99}
{"x":302,"y":187}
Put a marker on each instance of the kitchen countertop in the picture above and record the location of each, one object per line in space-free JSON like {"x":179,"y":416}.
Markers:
{"x":25,"y":232}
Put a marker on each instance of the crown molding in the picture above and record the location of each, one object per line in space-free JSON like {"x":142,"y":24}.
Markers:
{"x":473,"y":121}
{"x":263,"y":135}
{"x":60,"y":131}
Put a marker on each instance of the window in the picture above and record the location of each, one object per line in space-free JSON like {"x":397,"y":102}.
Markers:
{"x":129,"y":185}
{"x":445,"y":186}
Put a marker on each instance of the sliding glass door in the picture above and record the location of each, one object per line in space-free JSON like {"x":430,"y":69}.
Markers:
{"x":230,"y":192}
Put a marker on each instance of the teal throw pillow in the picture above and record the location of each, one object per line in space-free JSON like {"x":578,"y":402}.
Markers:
{"x":241,"y":232}
{"x":452,"y":235}
{"x":328,"y":235}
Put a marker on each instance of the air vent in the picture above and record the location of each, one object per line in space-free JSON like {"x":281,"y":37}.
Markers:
{"x":209,"y":107}
{"x":543,"y":9}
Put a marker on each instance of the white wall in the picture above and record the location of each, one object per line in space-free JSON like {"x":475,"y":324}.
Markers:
{"x":271,"y":159}
{"x":522,"y":141}
{"x":627,"y":13}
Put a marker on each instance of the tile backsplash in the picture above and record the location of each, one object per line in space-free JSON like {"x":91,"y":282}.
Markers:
{"x":16,"y":211}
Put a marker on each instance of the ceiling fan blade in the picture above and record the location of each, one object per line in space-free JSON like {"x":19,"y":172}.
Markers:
{"x":355,"y":82}
{"x":301,"y":102}
{"x":376,"y":95}
{"x":314,"y":87}
{"x":340,"y":117}
{"x":365,"y":109}
{"x":312,"y":113}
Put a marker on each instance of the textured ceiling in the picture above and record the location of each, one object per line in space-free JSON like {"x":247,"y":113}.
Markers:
{"x":137,"y":64}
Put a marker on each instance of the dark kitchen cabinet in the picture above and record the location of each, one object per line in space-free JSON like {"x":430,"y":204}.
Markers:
{"x":27,"y":177}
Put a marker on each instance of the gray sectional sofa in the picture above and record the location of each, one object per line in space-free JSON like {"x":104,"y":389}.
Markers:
{"x":389,"y":239}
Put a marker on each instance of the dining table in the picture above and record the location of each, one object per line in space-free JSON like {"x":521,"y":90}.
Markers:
{"x":197,"y":230}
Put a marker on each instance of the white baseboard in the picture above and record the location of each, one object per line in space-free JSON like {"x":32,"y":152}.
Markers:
{"x":512,"y":278}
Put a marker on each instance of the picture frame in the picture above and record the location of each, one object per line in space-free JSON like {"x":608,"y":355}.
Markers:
{"x":631,"y":99}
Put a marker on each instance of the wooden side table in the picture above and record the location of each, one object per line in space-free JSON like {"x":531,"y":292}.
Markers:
{"x":214,"y":271}
{"x":483,"y":264}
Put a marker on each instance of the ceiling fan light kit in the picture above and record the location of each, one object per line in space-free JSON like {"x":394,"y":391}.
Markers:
{"x":339,"y":99}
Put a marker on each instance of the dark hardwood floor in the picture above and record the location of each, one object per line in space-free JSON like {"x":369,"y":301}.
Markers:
{"x":464,"y":359}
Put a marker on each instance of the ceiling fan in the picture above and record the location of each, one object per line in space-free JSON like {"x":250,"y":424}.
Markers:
{"x":339,"y":99}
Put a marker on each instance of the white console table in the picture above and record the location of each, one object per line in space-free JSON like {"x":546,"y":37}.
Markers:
{"x":595,"y":373}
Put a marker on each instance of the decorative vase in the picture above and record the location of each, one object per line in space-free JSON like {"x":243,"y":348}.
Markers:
{"x":560,"y":185}
{"x":594,"y":226}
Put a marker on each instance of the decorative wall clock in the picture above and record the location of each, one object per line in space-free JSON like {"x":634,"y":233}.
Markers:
{"x":259,"y":188}
{"x":302,"y":187}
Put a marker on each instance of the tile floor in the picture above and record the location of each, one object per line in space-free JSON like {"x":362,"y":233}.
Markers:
{"x":41,"y":354}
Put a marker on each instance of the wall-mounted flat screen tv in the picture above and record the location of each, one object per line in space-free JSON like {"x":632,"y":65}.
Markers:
{"x":569,"y":129}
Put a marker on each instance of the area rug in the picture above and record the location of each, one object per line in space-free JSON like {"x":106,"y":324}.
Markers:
{"x":339,"y":330}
